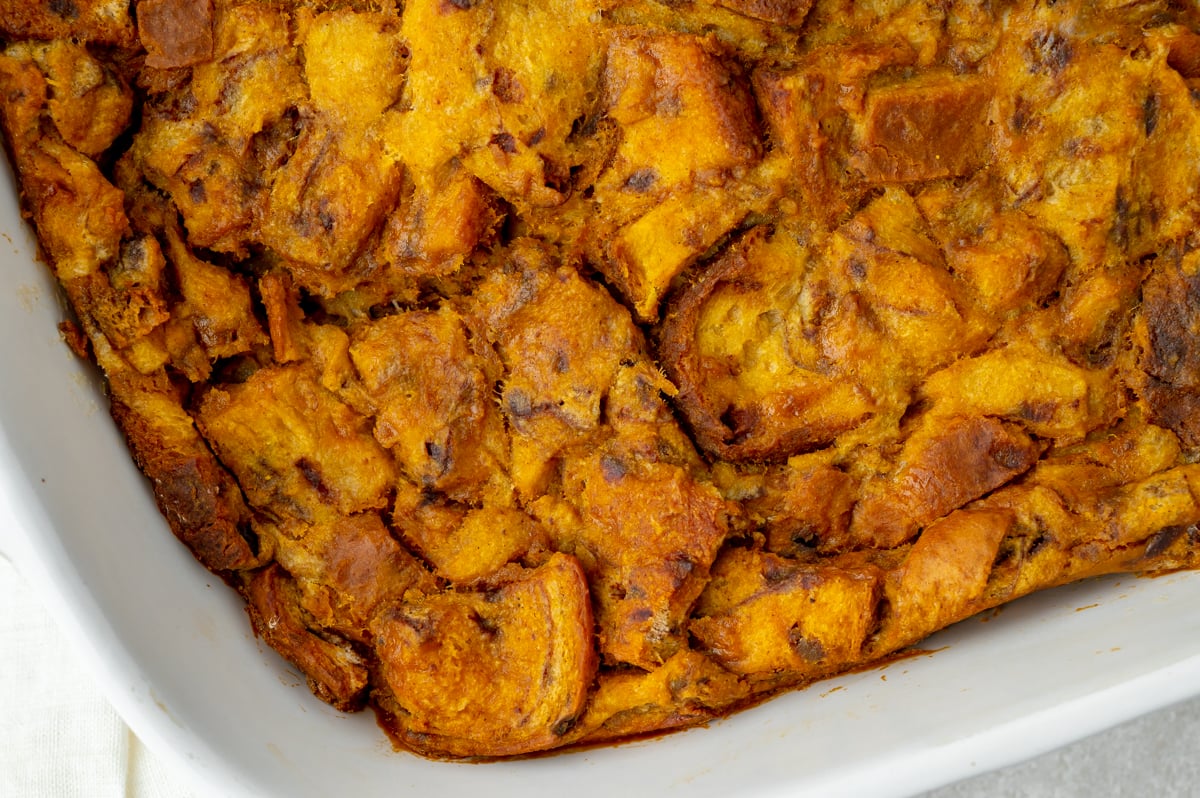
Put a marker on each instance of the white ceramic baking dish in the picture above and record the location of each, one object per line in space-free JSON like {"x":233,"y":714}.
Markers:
{"x":171,"y":644}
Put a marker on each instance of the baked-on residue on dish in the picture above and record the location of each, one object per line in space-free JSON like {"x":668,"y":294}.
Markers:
{"x":544,"y":373}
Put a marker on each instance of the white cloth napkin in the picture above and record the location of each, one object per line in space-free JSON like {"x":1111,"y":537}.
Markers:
{"x":59,"y":737}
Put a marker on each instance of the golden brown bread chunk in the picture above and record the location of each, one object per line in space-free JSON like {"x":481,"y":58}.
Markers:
{"x":547,"y":373}
{"x":106,"y":22}
{"x":944,"y":464}
{"x":930,"y":126}
{"x":432,"y":393}
{"x":294,"y":447}
{"x":336,"y":674}
{"x":497,"y":672}
{"x":762,"y":614}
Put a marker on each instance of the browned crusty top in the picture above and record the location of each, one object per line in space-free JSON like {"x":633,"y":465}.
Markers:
{"x":544,"y":373}
{"x":175,"y":33}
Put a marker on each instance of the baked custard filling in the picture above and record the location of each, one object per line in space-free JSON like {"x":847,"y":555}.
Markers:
{"x":547,"y":373}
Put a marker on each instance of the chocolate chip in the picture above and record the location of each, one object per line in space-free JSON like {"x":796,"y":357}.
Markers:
{"x":1150,"y":113}
{"x":807,"y":647}
{"x":1049,"y":52}
{"x":519,"y":404}
{"x":440,"y":455}
{"x":312,"y":475}
{"x":64,"y":8}
{"x":1161,"y":540}
{"x":612,"y":468}
{"x":506,"y":142}
{"x":506,"y":87}
{"x":641,"y":180}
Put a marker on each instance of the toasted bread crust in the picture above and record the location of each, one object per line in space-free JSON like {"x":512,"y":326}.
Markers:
{"x":547,"y":373}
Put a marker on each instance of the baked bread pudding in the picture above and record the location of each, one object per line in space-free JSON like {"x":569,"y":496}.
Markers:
{"x":546,"y":373}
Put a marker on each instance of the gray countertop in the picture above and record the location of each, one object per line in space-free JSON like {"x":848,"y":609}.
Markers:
{"x":1155,"y":755}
